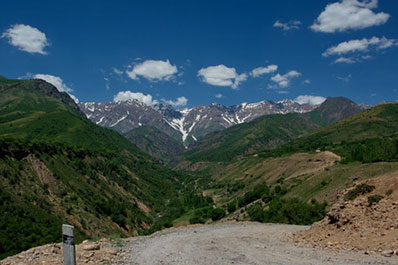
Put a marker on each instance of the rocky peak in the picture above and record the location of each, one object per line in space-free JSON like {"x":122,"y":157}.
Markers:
{"x":187,"y":124}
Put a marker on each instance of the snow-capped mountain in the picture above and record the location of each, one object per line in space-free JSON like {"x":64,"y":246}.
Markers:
{"x":186,"y":125}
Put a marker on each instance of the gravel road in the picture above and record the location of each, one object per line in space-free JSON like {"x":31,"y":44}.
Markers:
{"x":241,"y":243}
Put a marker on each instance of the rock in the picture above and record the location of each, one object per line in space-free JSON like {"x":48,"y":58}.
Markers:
{"x":333,"y":217}
{"x":110,"y":251}
{"x":387,"y":253}
{"x":91,"y":247}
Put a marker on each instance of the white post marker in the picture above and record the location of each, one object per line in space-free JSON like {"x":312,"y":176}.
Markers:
{"x":68,"y":246}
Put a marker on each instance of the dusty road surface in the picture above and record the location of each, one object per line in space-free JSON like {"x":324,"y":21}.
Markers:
{"x":245,"y":243}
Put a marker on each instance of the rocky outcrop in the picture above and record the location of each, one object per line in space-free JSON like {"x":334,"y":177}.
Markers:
{"x":368,"y":223}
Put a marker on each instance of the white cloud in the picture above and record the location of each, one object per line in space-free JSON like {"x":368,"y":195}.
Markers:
{"x":295,"y":24}
{"x":307,"y":82}
{"x":221,"y":75}
{"x":312,"y":100}
{"x":219,"y":95}
{"x":347,"y":60}
{"x":362,"y":45}
{"x":26,"y":38}
{"x":349,"y":15}
{"x":55,"y":81}
{"x":263,"y":70}
{"x":128,"y":95}
{"x":117,"y":71}
{"x":180,"y":102}
{"x":153,"y":70}
{"x":284,"y":80}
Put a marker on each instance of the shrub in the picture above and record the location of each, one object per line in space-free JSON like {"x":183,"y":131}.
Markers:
{"x":361,"y":189}
{"x":231,"y":207}
{"x":389,"y":192}
{"x":256,"y":213}
{"x":196,"y":220}
{"x":217,"y":214}
{"x":253,"y":195}
{"x":373,"y":199}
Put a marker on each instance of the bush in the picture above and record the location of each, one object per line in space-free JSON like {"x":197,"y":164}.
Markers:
{"x":197,"y":220}
{"x":251,"y":196}
{"x":217,"y":214}
{"x":361,"y":189}
{"x":373,"y":199}
{"x":256,"y":213}
{"x":231,"y":207}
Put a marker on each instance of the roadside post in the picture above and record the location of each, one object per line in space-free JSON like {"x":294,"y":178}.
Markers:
{"x":68,"y":245}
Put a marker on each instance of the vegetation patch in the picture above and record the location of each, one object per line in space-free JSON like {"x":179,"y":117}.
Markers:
{"x":360,"y":189}
{"x":288,"y":211}
{"x":374,"y":199}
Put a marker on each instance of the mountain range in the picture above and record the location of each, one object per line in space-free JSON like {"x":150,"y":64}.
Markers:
{"x":186,"y":125}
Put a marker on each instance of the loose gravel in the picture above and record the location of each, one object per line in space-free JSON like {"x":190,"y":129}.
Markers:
{"x":235,"y":243}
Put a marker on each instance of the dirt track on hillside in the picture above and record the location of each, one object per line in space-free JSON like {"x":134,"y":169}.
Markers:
{"x":247,"y":243}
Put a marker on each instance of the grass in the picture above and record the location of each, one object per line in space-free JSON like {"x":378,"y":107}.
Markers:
{"x":185,"y":217}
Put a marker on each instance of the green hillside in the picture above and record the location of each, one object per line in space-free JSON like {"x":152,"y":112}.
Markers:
{"x":265,"y":185}
{"x":268,"y":132}
{"x":264,"y":133}
{"x":369,"y":136}
{"x":26,"y":113}
{"x":155,"y":143}
{"x":57,"y":167}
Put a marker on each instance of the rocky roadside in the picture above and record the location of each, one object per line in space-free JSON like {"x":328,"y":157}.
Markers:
{"x":101,"y":252}
{"x":368,"y":223}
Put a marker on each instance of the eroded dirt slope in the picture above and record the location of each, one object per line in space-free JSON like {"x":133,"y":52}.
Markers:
{"x":358,"y":224}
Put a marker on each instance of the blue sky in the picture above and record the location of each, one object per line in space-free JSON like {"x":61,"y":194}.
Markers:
{"x":198,"y":52}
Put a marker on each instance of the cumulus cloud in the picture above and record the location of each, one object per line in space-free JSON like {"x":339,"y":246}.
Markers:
{"x":259,"y":71}
{"x":153,"y":70}
{"x":128,"y":95}
{"x":55,"y":81}
{"x":26,"y":38}
{"x":180,"y":102}
{"x":284,"y":80}
{"x":221,"y":75}
{"x":349,"y":15}
{"x":307,"y":82}
{"x":362,"y":45}
{"x":295,"y":24}
{"x":312,"y":100}
{"x":219,"y":95}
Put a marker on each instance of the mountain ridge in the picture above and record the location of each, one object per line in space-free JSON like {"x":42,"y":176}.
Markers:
{"x":185,"y":125}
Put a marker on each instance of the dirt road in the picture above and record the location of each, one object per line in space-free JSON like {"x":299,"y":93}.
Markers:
{"x":222,"y":244}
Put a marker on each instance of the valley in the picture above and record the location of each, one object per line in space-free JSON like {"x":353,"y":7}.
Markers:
{"x":199,"y":132}
{"x":288,"y":167}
